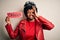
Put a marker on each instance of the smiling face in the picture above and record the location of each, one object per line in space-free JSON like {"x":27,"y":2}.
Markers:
{"x":30,"y":10}
{"x":30,"y":14}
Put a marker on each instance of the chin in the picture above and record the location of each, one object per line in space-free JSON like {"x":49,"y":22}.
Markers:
{"x":31,"y":18}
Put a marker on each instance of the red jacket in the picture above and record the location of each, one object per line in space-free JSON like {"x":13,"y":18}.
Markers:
{"x":41,"y":23}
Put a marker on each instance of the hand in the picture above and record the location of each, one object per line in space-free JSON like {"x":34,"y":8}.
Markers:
{"x":8,"y":20}
{"x":35,"y":15}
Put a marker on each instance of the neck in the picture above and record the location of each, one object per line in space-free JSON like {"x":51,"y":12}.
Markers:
{"x":31,"y":20}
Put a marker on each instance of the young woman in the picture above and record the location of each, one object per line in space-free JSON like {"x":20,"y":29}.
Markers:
{"x":30,"y":28}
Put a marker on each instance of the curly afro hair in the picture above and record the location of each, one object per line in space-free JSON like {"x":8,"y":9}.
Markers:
{"x":28,"y":5}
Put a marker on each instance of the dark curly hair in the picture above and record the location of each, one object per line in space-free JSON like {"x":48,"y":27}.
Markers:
{"x":28,"y":5}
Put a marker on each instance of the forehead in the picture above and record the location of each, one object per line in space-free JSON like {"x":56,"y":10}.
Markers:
{"x":30,"y":10}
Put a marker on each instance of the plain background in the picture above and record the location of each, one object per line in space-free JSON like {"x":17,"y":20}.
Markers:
{"x":50,"y":9}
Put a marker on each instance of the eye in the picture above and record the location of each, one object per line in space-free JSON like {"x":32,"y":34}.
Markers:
{"x":33,"y":12}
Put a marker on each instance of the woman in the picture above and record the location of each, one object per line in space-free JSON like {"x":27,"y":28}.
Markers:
{"x":30,"y":28}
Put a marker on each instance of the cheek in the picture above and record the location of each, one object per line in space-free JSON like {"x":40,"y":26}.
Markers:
{"x":27,"y":14}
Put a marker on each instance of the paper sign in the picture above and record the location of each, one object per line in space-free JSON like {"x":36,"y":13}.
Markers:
{"x":15,"y":14}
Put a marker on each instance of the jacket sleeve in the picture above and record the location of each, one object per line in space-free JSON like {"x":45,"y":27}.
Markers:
{"x":45,"y":23}
{"x":12,"y":33}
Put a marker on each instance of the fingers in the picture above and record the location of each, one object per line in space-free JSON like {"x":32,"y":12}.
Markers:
{"x":35,"y":15}
{"x":7,"y":19}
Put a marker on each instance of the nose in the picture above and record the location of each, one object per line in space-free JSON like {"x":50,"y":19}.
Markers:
{"x":31,"y":13}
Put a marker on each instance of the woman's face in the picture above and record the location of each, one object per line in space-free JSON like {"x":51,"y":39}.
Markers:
{"x":30,"y":14}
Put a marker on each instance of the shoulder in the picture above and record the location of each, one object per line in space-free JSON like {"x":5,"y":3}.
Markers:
{"x":23,"y":21}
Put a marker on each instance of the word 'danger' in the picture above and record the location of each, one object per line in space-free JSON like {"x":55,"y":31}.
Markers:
{"x":15,"y":14}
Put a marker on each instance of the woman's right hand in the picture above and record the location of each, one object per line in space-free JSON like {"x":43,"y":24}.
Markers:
{"x":8,"y":20}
